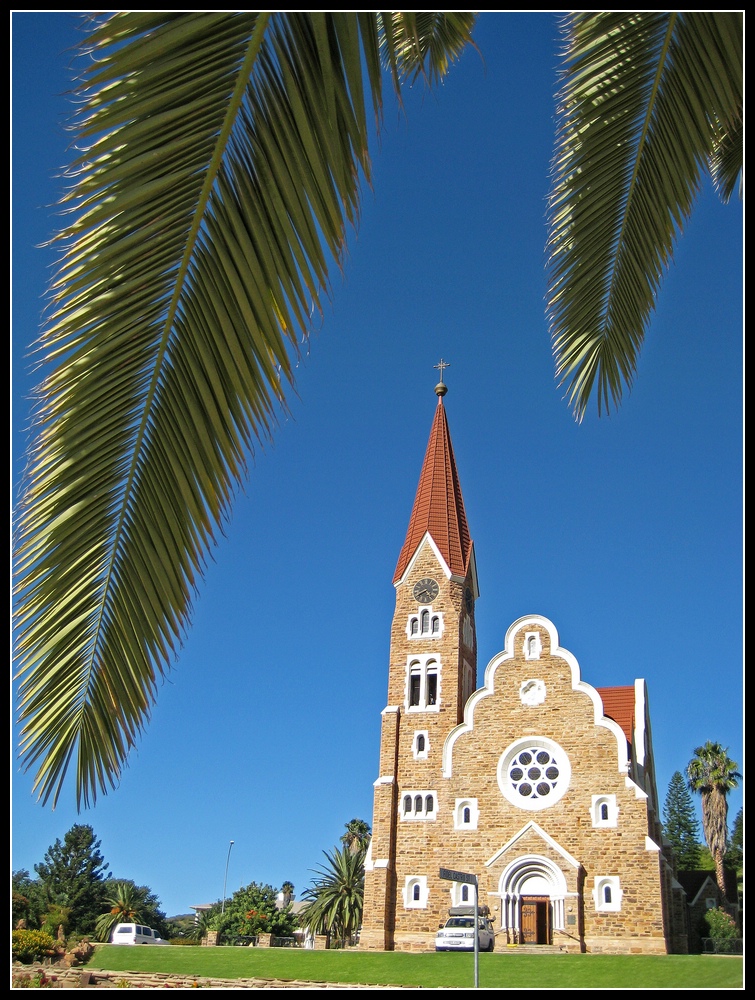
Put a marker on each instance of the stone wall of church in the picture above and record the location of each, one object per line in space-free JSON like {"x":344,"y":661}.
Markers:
{"x":562,"y":831}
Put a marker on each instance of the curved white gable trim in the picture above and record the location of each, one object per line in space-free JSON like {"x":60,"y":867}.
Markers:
{"x":577,"y":684}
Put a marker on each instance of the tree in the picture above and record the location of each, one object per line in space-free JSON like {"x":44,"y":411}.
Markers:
{"x":735,"y":854}
{"x":680,"y":824}
{"x":128,"y":903}
{"x":713,"y":774}
{"x":124,"y":909}
{"x":224,"y":162}
{"x":252,"y":910}
{"x":28,"y":901}
{"x":335,"y":900}
{"x":224,"y":154}
{"x":73,"y":875}
{"x":651,"y":102}
{"x":357,"y":836}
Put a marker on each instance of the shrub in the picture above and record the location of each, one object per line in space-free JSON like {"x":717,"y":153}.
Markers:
{"x":31,"y":946}
{"x":722,"y":929}
{"x":37,"y":981}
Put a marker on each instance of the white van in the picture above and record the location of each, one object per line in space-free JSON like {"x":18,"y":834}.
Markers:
{"x":135,"y":934}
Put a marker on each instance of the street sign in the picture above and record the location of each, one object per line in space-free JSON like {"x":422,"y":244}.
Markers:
{"x":458,"y":876}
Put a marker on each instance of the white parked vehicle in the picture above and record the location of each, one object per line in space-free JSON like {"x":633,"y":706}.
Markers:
{"x":458,"y":932}
{"x":135,"y":934}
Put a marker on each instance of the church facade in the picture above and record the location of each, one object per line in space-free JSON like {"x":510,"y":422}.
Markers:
{"x":537,"y":783}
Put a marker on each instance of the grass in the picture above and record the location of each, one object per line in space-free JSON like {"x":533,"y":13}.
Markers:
{"x":430,"y":970}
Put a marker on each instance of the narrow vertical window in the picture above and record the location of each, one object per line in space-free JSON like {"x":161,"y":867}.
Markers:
{"x":432,"y":687}
{"x":420,"y":743}
{"x":425,"y":622}
{"x":414,"y":687}
{"x":418,"y":804}
{"x":607,"y":894}
{"x":467,"y":815}
{"x":604,"y":812}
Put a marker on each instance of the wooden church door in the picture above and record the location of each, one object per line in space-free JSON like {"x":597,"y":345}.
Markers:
{"x":535,"y":920}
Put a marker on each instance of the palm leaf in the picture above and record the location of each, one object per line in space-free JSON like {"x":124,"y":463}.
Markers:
{"x":651,"y":102}
{"x":219,"y":165}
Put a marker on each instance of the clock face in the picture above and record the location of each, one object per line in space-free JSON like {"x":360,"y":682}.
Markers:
{"x":425,"y":590}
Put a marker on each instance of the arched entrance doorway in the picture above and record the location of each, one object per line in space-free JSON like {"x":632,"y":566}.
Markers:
{"x":532,"y":890}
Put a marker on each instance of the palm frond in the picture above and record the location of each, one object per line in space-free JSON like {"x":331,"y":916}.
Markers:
{"x":649,"y":99}
{"x":220,"y":160}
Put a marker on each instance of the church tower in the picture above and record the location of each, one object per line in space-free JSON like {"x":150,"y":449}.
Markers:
{"x":432,"y":672}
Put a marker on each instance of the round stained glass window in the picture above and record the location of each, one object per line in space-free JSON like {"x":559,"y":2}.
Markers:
{"x":534,"y":773}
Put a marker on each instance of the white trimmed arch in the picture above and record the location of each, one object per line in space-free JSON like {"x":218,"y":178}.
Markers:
{"x":531,"y":875}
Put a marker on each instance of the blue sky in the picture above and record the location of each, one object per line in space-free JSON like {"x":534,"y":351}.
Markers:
{"x":625,"y":531}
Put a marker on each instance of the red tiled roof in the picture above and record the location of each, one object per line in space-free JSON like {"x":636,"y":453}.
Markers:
{"x":438,"y":505}
{"x":618,"y":704}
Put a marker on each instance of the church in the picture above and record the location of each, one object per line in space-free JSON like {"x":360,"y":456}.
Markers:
{"x":538,"y":786}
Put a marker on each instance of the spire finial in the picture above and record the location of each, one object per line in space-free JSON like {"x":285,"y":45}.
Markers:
{"x":440,"y":388}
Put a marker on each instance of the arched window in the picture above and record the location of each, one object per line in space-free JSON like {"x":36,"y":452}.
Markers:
{"x":465,"y":893}
{"x":415,"y":687}
{"x":414,"y":627}
{"x":416,"y":892}
{"x":466,"y":814}
{"x":425,"y":622}
{"x":436,"y":625}
{"x":607,"y":893}
{"x":604,"y":811}
{"x":423,"y":682}
{"x":418,"y":805}
{"x":420,"y":743}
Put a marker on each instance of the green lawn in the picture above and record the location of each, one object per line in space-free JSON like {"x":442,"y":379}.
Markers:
{"x":496,"y":971}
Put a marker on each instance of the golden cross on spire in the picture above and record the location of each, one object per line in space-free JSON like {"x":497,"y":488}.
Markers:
{"x":441,"y":365}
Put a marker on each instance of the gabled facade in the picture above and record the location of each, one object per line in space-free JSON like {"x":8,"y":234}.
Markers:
{"x":538,"y":783}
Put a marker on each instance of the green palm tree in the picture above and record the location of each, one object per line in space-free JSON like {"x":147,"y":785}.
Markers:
{"x":125,"y":902}
{"x":225,"y":155}
{"x":222,"y":163}
{"x":357,"y":836}
{"x":713,"y":774}
{"x":652,"y":102}
{"x":335,"y":900}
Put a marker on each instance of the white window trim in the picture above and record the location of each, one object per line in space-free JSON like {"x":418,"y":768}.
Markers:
{"x":457,"y":888}
{"x":613,"y":811}
{"x":420,"y":754}
{"x":417,"y":617}
{"x":423,"y":816}
{"x":474,"y":814}
{"x":522,"y":801}
{"x":424,"y":665}
{"x":533,"y":645}
{"x":408,"y":892}
{"x":614,"y":884}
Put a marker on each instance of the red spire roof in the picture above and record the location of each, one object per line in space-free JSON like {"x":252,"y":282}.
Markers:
{"x":438,"y":505}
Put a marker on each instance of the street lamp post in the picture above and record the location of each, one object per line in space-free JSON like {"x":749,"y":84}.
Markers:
{"x":225,"y":877}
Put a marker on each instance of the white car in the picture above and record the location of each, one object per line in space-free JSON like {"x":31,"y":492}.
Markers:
{"x":135,"y":934}
{"x":458,"y":932}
